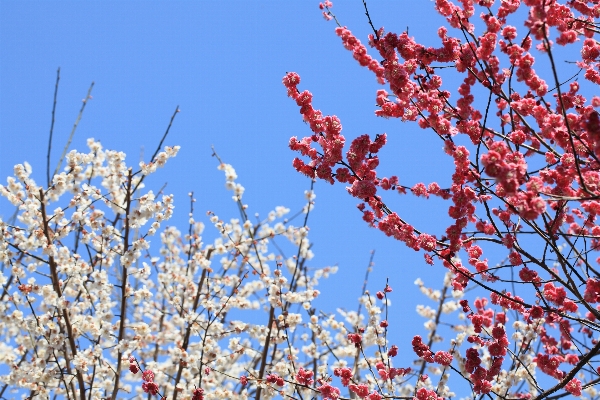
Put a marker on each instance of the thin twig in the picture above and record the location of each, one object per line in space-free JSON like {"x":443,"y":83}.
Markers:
{"x":52,"y":128}
{"x":64,"y":153}
{"x":158,"y":147}
{"x":364,"y":288}
{"x":370,"y":22}
{"x":165,"y":135}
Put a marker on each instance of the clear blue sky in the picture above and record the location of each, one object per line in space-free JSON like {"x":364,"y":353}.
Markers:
{"x":222,"y":63}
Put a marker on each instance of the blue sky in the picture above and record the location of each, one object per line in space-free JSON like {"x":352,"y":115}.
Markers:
{"x":222,"y":63}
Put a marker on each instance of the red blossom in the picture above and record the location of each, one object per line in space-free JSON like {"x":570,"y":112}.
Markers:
{"x":424,"y":394}
{"x":355,"y":338}
{"x":150,"y":388}
{"x":329,"y":392}
{"x":133,"y":366}
{"x":393,"y":351}
{"x":276,"y":379}
{"x":554,"y":294}
{"x":592,"y":290}
{"x":421,"y":349}
{"x":148,"y":375}
{"x":374,"y":396}
{"x":361,"y":390}
{"x":304,"y":377}
{"x":574,"y":387}
{"x":345,"y":374}
{"x":198,"y":394}
{"x":444,"y":358}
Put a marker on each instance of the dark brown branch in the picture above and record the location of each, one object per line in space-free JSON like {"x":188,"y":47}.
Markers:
{"x":124,"y":275}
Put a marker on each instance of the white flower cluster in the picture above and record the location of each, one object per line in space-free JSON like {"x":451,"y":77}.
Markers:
{"x":230,"y":184}
{"x":159,"y":161}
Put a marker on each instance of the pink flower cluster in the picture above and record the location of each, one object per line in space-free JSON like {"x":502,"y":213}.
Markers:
{"x":422,"y":350}
{"x":345,"y":374}
{"x":362,"y":391}
{"x":355,"y":338}
{"x":328,"y":392}
{"x":275,"y":379}
{"x":497,"y":346}
{"x":326,"y":132}
{"x":326,"y":14}
{"x":304,"y":377}
{"x":359,"y":51}
{"x":425,"y":394}
{"x":386,"y":372}
{"x":147,"y":376}
{"x":592,"y":291}
{"x":198,"y":394}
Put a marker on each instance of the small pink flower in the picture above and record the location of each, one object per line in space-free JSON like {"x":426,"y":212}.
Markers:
{"x":148,"y":375}
{"x":198,"y":394}
{"x":355,"y":338}
{"x":574,"y":387}
{"x":345,"y":375}
{"x":304,"y":377}
{"x":150,"y":387}
{"x":361,"y":390}
{"x":133,"y":368}
{"x":329,"y":392}
{"x":443,"y":357}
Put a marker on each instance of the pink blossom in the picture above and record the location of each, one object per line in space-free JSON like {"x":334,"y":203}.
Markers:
{"x":329,"y":392}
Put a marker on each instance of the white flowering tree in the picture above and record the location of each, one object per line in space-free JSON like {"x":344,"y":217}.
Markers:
{"x":87,"y":302}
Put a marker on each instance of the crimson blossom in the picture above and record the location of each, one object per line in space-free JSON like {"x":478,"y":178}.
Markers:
{"x":524,"y":190}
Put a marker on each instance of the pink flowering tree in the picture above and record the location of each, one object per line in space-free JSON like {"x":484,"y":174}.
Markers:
{"x":523,"y":195}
